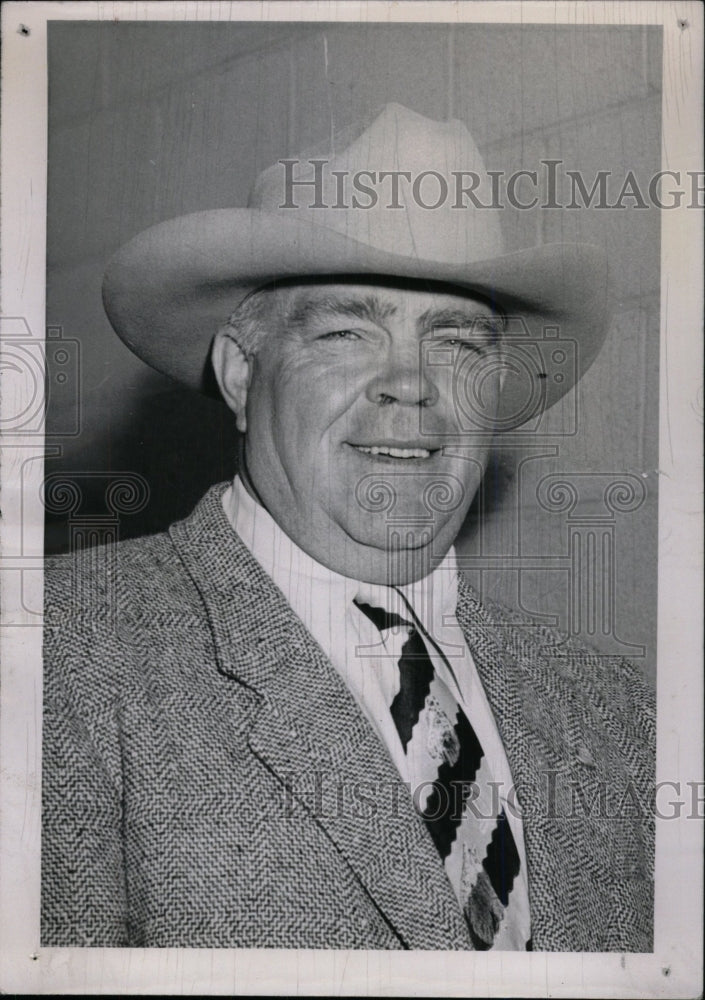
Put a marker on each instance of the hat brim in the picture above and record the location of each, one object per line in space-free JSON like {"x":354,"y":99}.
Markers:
{"x":168,"y":290}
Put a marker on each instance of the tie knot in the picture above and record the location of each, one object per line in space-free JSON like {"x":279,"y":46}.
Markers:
{"x":379,"y":616}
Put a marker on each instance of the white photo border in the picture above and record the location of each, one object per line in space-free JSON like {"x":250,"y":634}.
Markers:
{"x":675,"y":967}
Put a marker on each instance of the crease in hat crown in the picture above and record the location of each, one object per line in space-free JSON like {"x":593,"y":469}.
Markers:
{"x":421,"y":215}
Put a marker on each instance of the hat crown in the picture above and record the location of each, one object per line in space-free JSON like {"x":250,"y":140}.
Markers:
{"x":407,"y":185}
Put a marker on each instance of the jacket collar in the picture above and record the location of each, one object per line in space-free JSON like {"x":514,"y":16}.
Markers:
{"x":313,"y":736}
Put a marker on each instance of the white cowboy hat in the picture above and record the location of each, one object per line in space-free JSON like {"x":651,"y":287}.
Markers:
{"x":169,"y":289}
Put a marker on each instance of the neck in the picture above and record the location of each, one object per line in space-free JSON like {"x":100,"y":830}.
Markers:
{"x":245,"y":477}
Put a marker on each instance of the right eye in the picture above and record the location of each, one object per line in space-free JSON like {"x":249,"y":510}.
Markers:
{"x":340,"y":335}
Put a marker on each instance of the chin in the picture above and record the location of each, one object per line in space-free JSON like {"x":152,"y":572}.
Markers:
{"x":391,"y":536}
{"x":393,"y":553}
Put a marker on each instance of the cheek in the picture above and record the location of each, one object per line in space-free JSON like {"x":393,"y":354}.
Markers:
{"x":311,"y":399}
{"x":299,"y":421}
{"x":473,"y":391}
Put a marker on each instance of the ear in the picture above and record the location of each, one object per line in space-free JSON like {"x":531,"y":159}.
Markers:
{"x":232,"y":371}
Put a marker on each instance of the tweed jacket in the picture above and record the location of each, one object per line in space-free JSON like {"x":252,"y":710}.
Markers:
{"x":209,"y":780}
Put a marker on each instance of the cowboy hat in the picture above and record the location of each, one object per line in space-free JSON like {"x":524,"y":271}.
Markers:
{"x":401,"y":201}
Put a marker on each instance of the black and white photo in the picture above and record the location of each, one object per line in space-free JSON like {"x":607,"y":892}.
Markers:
{"x":343,"y":502}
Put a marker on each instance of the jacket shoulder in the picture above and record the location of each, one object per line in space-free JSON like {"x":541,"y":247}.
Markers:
{"x":581,"y":666}
{"x":112,"y":611}
{"x":89,"y":584}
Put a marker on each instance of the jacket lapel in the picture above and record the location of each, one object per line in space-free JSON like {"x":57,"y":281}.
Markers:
{"x":543,"y":749}
{"x":311,"y":734}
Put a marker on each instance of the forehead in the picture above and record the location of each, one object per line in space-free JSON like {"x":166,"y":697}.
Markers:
{"x":381,"y":301}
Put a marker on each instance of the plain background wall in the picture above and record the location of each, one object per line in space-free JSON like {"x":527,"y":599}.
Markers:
{"x":150,"y":121}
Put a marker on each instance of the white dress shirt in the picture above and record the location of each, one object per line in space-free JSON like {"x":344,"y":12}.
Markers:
{"x":324,"y":601}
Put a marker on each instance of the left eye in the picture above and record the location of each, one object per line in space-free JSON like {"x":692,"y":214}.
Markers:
{"x":466,"y":344}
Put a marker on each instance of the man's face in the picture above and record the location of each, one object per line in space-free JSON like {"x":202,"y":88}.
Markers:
{"x":359,"y":421}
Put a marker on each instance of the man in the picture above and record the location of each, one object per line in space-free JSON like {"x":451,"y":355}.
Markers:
{"x":288,"y":721}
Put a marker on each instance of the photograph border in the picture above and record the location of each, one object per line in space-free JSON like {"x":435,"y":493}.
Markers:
{"x":674,"y":968}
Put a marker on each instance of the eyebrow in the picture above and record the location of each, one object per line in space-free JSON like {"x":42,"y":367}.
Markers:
{"x":464,"y":319}
{"x":370,"y":307}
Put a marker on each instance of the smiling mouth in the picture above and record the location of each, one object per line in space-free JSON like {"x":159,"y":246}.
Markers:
{"x":387,"y":451}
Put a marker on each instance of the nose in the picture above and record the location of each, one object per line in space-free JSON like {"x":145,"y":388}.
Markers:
{"x":402,"y":378}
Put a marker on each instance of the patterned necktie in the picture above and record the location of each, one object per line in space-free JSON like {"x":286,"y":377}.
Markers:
{"x":452,"y":790}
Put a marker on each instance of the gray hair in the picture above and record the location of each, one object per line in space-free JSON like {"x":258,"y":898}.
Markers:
{"x":248,"y":323}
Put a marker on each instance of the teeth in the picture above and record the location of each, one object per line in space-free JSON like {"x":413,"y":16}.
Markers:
{"x":395,"y":452}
